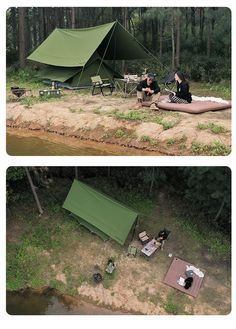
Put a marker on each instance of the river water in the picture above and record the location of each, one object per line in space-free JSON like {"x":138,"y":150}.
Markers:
{"x":21,"y":142}
{"x":29,"y":302}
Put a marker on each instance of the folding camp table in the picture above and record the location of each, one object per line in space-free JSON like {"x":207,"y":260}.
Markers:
{"x":151,"y":247}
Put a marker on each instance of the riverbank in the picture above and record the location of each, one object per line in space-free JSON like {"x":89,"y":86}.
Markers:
{"x":36,"y":142}
{"x":53,"y":250}
{"x":113,"y":120}
{"x":49,"y":301}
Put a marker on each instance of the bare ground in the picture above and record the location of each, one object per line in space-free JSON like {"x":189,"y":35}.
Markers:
{"x":137,"y":285}
{"x":104,"y":119}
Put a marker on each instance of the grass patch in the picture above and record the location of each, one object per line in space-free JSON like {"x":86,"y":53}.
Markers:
{"x":213,"y":240}
{"x":175,"y":303}
{"x":220,"y":89}
{"x":146,"y":116}
{"x":171,"y":141}
{"x":97,"y":111}
{"x":26,"y":265}
{"x":177,"y":141}
{"x":145,"y":296}
{"x":145,"y":138}
{"x":119,"y":133}
{"x":214,"y":148}
{"x":73,"y":110}
{"x":214,"y":128}
{"x":109,"y":279}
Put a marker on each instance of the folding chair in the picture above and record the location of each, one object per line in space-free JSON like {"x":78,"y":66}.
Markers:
{"x":110,"y":266}
{"x":97,"y":82}
{"x":169,"y":80}
{"x":132,"y":251}
{"x":143,"y":237}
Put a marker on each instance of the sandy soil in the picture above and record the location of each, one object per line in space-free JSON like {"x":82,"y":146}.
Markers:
{"x":92,"y":118}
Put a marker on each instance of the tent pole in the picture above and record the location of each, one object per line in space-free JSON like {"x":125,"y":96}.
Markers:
{"x":81,"y":73}
{"x":134,"y":229}
{"x":106,"y":48}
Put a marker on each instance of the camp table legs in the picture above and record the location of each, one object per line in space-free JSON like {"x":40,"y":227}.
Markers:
{"x":125,"y":90}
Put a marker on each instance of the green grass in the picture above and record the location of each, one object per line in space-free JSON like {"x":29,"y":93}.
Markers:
{"x":214,"y":148}
{"x":97,"y":111}
{"x":175,"y":303}
{"x":145,"y":138}
{"x":119,"y":133}
{"x":221,"y":89}
{"x":177,"y":141}
{"x":23,"y":78}
{"x":74,"y":110}
{"x":146,"y":116}
{"x":171,"y":141}
{"x":214,"y":128}
{"x":213,"y":240}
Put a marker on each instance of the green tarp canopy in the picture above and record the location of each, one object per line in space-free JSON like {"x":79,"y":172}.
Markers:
{"x":68,"y":53}
{"x":100,"y":213}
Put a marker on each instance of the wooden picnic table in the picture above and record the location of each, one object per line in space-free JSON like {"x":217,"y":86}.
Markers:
{"x":151,"y":247}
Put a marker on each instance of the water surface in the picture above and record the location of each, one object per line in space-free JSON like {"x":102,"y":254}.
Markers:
{"x":29,"y":302}
{"x":40,"y":143}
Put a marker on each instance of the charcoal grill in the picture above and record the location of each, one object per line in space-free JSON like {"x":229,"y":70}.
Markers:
{"x":19,"y":92}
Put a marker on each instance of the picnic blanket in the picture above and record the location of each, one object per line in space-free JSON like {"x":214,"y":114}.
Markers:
{"x":176,"y":275}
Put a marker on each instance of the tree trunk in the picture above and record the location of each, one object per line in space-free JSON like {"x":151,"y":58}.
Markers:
{"x":173,"y":43}
{"x":33,"y":191}
{"x":193,"y":22}
{"x":161,"y":38}
{"x":76,"y":173}
{"x":15,"y":33}
{"x":22,"y":41}
{"x":73,"y":9}
{"x":208,"y":45}
{"x":219,"y":211}
{"x":178,"y":41}
{"x":152,"y":181}
{"x":201,"y":23}
{"x":126,"y":25}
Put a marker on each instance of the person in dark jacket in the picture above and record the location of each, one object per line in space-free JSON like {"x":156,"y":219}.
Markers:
{"x":148,"y":91}
{"x":182,"y":95}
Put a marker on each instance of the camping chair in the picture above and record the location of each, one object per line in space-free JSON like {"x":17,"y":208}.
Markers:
{"x":97,"y":82}
{"x":110,"y":266}
{"x":143,"y":237}
{"x":169,"y":81}
{"x":132,"y":251}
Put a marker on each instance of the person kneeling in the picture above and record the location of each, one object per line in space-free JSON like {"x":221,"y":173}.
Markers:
{"x":148,"y":92}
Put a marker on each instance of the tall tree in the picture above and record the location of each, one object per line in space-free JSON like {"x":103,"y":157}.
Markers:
{"x":22,"y":40}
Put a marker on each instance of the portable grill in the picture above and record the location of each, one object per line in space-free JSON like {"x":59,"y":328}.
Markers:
{"x":19,"y":92}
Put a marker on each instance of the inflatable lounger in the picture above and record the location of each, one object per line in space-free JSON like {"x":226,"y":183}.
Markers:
{"x":195,"y":107}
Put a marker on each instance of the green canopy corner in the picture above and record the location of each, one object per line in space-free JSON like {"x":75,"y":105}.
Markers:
{"x":100,"y":213}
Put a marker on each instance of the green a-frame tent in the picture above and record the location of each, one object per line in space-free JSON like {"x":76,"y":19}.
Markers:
{"x":100,"y":213}
{"x":74,"y":55}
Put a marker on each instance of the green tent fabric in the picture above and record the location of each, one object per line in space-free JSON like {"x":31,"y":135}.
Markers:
{"x":83,"y":77}
{"x":69,"y":51}
{"x":99,"y":212}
